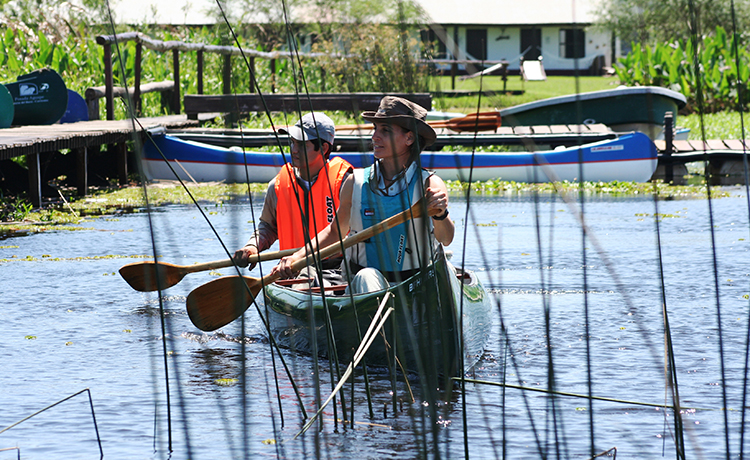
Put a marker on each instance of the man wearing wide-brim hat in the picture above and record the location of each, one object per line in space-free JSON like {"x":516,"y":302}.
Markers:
{"x":391,"y":185}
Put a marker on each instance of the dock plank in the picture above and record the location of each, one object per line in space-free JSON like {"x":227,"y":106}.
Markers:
{"x":682,"y":146}
{"x":541,"y":129}
{"x":715,"y":144}
{"x":523,"y":130}
{"x":699,"y":145}
{"x":734,"y":144}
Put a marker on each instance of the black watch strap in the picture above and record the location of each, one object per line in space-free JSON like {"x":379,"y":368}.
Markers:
{"x":441,"y":217}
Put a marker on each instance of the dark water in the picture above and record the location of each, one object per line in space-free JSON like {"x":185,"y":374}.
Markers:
{"x":69,"y":322}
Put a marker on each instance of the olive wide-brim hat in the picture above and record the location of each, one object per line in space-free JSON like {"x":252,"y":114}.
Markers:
{"x":405,"y":113}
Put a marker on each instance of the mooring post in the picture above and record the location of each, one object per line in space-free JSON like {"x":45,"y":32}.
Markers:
{"x":121,"y":150}
{"x":669,"y":147}
{"x":35,"y":179}
{"x":82,"y":176}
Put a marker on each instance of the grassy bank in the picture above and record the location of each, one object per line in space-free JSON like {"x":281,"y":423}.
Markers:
{"x":532,"y":91}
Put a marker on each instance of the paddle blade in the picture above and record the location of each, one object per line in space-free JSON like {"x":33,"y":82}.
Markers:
{"x":481,"y":121}
{"x":150,"y":276}
{"x":221,"y":301}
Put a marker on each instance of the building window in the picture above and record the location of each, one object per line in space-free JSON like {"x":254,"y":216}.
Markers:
{"x":434,"y":48}
{"x":476,"y":44}
{"x":572,"y":43}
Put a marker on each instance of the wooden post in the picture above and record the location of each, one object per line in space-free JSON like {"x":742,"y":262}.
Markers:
{"x":505,"y":77}
{"x":137,"y":83}
{"x":227,"y":75}
{"x":121,"y":150}
{"x":82,"y":176}
{"x":93,"y":105}
{"x":227,"y":89}
{"x":454,"y":66}
{"x":176,"y":70}
{"x":200,"y":71}
{"x":668,"y":140}
{"x":35,"y":179}
{"x":273,"y":75}
{"x":252,"y":70}
{"x":108,"y":82}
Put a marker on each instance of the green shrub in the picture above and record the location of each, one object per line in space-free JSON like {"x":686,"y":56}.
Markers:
{"x":672,"y":65}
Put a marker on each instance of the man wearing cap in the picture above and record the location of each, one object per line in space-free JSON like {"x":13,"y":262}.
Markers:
{"x":302,"y":199}
{"x":391,"y":185}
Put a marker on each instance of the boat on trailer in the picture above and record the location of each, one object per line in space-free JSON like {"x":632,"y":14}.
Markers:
{"x":438,"y":313}
{"x":628,"y":158}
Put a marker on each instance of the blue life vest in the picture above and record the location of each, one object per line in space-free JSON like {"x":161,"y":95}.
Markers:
{"x":397,"y":249}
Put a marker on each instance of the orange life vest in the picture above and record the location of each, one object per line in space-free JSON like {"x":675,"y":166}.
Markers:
{"x":314,"y":210}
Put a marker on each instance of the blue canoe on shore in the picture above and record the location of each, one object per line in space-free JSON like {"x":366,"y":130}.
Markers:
{"x":629,"y":158}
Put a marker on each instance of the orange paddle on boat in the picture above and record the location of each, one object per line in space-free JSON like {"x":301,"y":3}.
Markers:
{"x":474,"y":122}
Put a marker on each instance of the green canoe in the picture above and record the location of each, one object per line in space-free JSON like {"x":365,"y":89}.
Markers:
{"x":424,"y":327}
{"x":639,"y":108}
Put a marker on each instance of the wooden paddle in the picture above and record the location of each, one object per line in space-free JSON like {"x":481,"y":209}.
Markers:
{"x":221,"y":301}
{"x":144,"y":276}
{"x":480,"y":121}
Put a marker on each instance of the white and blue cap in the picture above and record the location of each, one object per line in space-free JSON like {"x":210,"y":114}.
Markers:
{"x":315,"y":125}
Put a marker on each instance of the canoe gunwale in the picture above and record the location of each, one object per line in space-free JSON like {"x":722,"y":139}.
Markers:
{"x":603,"y":94}
{"x":437,"y":319}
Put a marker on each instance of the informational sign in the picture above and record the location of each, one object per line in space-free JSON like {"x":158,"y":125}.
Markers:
{"x":39,"y":98}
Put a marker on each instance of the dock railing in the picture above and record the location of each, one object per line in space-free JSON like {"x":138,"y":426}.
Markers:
{"x":109,"y":92}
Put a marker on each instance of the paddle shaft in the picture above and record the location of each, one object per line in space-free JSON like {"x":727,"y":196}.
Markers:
{"x":263,"y":256}
{"x":151,"y":276}
{"x":221,"y":301}
{"x":411,"y":213}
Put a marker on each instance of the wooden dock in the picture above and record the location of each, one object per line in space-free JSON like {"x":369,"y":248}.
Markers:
{"x":725,"y":158}
{"x":33,"y":142}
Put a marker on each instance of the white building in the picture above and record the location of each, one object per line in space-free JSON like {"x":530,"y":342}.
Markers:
{"x":560,"y":31}
{"x":490,"y":30}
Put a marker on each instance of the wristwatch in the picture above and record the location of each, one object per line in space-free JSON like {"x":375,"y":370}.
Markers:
{"x":441,"y":217}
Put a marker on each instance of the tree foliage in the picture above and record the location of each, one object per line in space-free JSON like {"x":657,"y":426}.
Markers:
{"x":658,"y":21}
